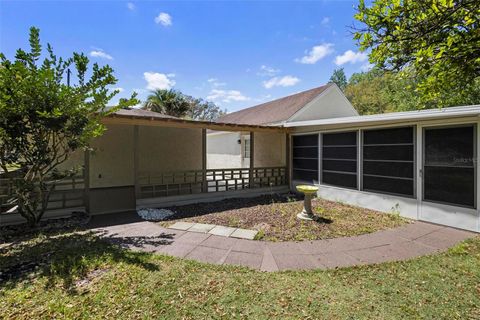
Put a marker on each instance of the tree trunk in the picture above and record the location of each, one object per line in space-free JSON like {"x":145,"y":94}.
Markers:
{"x":32,"y":199}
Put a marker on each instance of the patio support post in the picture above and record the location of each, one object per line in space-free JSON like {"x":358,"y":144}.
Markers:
{"x":135,"y":161}
{"x":204,"y":161}
{"x":86,"y":180}
{"x":287,"y":159}
{"x":252,"y":160}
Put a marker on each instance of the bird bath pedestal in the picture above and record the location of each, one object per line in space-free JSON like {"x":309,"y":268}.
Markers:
{"x":308,"y":191}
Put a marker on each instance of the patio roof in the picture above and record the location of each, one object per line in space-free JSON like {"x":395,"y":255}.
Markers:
{"x":393,"y":117}
{"x":149,"y":118}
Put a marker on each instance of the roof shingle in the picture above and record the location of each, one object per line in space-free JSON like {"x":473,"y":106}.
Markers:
{"x":274,"y":111}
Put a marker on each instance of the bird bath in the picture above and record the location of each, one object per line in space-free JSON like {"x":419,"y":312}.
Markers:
{"x":308,"y":191}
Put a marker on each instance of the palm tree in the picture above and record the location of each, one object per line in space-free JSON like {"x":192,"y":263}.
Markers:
{"x":170,"y":102}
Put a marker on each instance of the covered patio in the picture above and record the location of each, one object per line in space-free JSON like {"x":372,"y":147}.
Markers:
{"x":146,"y":159}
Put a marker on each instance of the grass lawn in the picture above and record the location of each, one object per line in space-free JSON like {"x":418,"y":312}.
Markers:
{"x":79,"y":276}
{"x":276,"y":218}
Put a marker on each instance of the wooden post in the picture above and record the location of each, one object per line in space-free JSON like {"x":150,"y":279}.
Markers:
{"x":287,"y":159}
{"x":252,"y":161}
{"x":135,"y":161}
{"x":86,"y":180}
{"x":204,"y":161}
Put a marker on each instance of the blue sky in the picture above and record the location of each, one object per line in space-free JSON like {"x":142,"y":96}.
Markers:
{"x":237,"y":54}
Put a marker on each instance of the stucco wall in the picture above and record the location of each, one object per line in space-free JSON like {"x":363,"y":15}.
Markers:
{"x":74,"y":161}
{"x":269,"y":149}
{"x":164,"y":150}
{"x":111,"y":162}
{"x":223,"y":150}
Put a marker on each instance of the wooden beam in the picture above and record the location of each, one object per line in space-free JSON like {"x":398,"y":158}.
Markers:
{"x":188,"y":124}
{"x":252,"y":160}
{"x":86,"y":180}
{"x":204,"y":161}
{"x":287,"y":160}
{"x":136,"y":157}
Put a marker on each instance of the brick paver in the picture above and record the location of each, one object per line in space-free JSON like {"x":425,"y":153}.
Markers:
{"x":406,"y":242}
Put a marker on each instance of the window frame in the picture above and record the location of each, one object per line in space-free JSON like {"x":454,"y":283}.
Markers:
{"x":320,"y":158}
{"x":292,"y":158}
{"x":245,"y":140}
{"x":414,"y":162}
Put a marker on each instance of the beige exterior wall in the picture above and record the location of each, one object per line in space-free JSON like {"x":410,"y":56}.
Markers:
{"x":74,"y":161}
{"x":223,"y":150}
{"x":269,"y":149}
{"x":165,"y":150}
{"x":111,"y":161}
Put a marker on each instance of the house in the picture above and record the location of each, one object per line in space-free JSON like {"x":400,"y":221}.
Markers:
{"x":232,"y":149}
{"x":419,"y":164}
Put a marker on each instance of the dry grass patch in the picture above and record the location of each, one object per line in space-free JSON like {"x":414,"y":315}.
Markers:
{"x":276,"y":218}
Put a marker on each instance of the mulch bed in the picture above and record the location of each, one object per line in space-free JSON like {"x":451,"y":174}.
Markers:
{"x":275,"y":217}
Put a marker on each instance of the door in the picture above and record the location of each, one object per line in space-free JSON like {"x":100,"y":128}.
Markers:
{"x":448,"y":176}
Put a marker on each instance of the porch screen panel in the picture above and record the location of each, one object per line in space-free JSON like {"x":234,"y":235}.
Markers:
{"x":449,"y":165}
{"x":305,"y":158}
{"x":389,"y":161}
{"x":339,"y":159}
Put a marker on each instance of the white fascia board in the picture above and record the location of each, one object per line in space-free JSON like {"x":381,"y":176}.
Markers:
{"x":430,"y":114}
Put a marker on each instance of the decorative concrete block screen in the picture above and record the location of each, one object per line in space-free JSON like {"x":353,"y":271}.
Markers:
{"x":389,"y":161}
{"x":305,"y":158}
{"x":339,"y":159}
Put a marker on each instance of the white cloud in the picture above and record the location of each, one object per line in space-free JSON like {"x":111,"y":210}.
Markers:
{"x":99,"y":53}
{"x":316,"y":53}
{"x":350,"y":57}
{"x":226,"y":96}
{"x":164,"y":19}
{"x":325,"y":20}
{"x":119,"y":89}
{"x":216,"y":83}
{"x":286,"y":81}
{"x":157,"y":80}
{"x":266,"y":71}
{"x":131,"y":6}
{"x":366,"y":67}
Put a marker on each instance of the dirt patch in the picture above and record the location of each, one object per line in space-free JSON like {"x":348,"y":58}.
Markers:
{"x":276,"y":217}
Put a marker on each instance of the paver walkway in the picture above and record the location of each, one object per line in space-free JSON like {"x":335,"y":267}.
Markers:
{"x":409,"y":241}
{"x":215,"y":229}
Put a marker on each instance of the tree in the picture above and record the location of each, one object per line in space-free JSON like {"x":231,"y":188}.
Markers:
{"x":437,"y":42}
{"x":379,"y":91}
{"x":203,"y":110}
{"x":175,"y":103}
{"x":43,"y":120}
{"x":169,"y":102}
{"x":338,"y":77}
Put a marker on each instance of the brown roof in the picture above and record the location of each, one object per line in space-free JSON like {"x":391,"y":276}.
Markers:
{"x":274,"y":111}
{"x":143,"y":113}
{"x":144,"y":117}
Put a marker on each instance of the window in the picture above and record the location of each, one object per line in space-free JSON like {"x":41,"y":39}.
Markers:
{"x":305,"y":158}
{"x":389,"y":161}
{"x":246,"y":148}
{"x":449,"y":165}
{"x":339,"y":159}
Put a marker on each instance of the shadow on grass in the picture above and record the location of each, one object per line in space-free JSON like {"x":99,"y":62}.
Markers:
{"x":64,"y":258}
{"x":200,"y":209}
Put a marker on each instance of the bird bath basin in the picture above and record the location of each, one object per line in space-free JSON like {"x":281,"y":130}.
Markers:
{"x":309,"y":192}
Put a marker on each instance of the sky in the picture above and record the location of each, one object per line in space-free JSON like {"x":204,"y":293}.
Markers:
{"x":236,"y":54}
